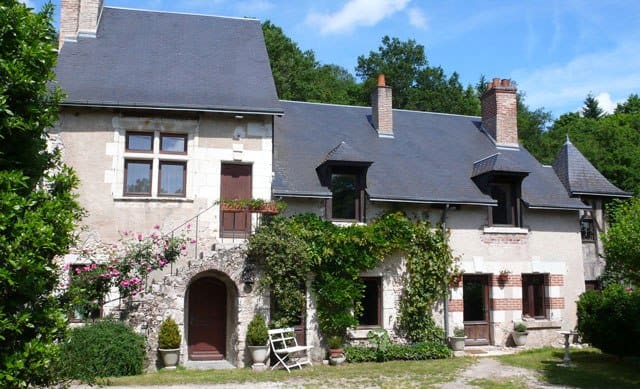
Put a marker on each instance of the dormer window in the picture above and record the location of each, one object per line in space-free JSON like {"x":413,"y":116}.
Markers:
{"x":506,"y":212}
{"x":500,"y":177}
{"x":344,"y":173}
{"x":347,"y":194}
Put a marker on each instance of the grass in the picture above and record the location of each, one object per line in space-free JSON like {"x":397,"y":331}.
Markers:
{"x":507,"y":383}
{"x":389,"y":374}
{"x":591,"y":368}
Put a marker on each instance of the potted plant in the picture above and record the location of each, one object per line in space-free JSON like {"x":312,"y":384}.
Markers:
{"x":336,"y":353}
{"x":457,"y":340}
{"x":169,"y":343}
{"x":519,"y":334}
{"x":503,"y":277}
{"x":258,"y":339}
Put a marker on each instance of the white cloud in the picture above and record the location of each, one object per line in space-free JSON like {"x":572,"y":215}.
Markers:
{"x":605,"y":102}
{"x":417,"y":18}
{"x":561,"y":86}
{"x":356,"y":13}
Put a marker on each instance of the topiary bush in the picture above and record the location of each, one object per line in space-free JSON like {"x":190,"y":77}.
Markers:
{"x":257,"y":331}
{"x":610,"y":320}
{"x":169,"y":336}
{"x":103,"y":349}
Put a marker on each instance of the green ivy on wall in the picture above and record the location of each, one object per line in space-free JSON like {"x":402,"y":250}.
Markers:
{"x":304,"y":247}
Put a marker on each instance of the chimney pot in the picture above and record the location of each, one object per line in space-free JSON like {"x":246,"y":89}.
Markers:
{"x":505,"y":82}
{"x":496,"y":82}
{"x":381,"y":81}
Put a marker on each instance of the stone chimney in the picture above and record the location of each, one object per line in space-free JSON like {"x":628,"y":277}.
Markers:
{"x":500,"y":112}
{"x":78,"y":17}
{"x":381,"y":111}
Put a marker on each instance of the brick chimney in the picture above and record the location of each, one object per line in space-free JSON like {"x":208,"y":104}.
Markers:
{"x":78,"y":17}
{"x":500,"y":112}
{"x":381,"y":111}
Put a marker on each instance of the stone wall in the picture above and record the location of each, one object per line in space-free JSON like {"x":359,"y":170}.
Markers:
{"x":169,"y":297}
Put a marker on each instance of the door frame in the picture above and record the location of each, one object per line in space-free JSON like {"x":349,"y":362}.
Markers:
{"x":485,"y":279}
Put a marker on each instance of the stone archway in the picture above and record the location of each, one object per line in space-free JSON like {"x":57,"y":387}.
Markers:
{"x":211,"y":310}
{"x":207,"y":320}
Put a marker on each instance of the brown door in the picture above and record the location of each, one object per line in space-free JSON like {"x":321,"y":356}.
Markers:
{"x":207,"y":320}
{"x":235,"y":184}
{"x":476,"y":309}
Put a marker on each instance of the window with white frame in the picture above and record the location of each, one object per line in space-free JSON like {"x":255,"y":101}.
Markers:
{"x":155,"y":164}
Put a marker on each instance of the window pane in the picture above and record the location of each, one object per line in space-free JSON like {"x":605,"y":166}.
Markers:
{"x":503,"y":212}
{"x":140,"y":142}
{"x":370,"y":302}
{"x":533,"y":295}
{"x":343,"y":205}
{"x":138,"y":177}
{"x":173,"y":144}
{"x":172,"y":178}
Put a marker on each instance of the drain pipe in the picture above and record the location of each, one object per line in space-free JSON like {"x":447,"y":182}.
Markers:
{"x":443,"y":224}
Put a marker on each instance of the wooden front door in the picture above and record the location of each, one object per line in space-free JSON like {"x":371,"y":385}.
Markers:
{"x":476,"y":309}
{"x":235,"y":184}
{"x":207,"y":320}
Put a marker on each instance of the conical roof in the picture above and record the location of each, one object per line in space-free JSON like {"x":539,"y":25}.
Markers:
{"x":580,"y":177}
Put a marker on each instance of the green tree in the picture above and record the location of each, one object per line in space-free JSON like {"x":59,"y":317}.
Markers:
{"x":400,"y":62}
{"x":532,"y":126}
{"x":435,"y":92}
{"x":37,"y":208}
{"x":299,"y":77}
{"x":591,"y":108}
{"x":632,"y":105}
{"x":621,"y":243}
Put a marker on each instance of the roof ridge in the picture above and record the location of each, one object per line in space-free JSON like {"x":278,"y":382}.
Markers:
{"x":368,"y":107}
{"x":182,"y":13}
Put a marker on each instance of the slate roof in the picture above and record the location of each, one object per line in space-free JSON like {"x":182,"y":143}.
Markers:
{"x":580,"y":177}
{"x":343,"y":152}
{"x":498,"y":162}
{"x":166,"y":60}
{"x":430,"y":159}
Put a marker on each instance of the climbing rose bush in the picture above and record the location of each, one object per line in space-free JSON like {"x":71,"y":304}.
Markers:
{"x":124,"y":265}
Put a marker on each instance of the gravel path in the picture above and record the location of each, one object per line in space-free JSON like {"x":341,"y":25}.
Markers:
{"x":491,"y":369}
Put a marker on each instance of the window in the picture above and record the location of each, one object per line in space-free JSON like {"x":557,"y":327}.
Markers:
{"x":347,"y":199}
{"x":371,"y":314}
{"x":155,"y":164}
{"x":505,"y":213}
{"x":533,"y":296}
{"x":587,"y":229}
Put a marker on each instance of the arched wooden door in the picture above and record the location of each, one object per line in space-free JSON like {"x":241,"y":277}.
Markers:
{"x":207,"y":320}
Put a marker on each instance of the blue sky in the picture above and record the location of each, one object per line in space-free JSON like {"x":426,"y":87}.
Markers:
{"x":557,"y":51}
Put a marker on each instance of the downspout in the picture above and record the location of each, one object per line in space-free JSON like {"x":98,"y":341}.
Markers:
{"x":443,"y":225}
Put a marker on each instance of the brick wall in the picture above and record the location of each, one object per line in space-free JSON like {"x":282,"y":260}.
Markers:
{"x":78,"y":15}
{"x":499,"y":112}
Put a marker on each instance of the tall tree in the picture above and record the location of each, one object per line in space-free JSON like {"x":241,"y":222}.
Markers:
{"x":37,"y":208}
{"x":591,"y":108}
{"x":298,"y":76}
{"x":621,"y":243}
{"x":632,"y":105}
{"x":401,"y":62}
{"x":436,"y":92}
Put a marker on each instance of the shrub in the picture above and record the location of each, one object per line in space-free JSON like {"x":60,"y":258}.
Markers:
{"x":520,"y":327}
{"x":609,"y":320}
{"x":169,"y":336}
{"x":103,"y":349}
{"x":257,"y":331}
{"x":334,"y":342}
{"x":398,"y":352}
{"x":458,"y":332}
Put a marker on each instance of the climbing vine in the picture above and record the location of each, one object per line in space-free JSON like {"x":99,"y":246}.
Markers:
{"x":305,"y":247}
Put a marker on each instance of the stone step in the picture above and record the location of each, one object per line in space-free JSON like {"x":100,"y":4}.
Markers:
{"x":208,"y":365}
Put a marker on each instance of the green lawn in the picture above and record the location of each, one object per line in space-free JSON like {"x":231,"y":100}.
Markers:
{"x":591,"y":368}
{"x":389,"y":374}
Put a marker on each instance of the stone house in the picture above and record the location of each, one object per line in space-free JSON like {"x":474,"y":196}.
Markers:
{"x":168,"y":113}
